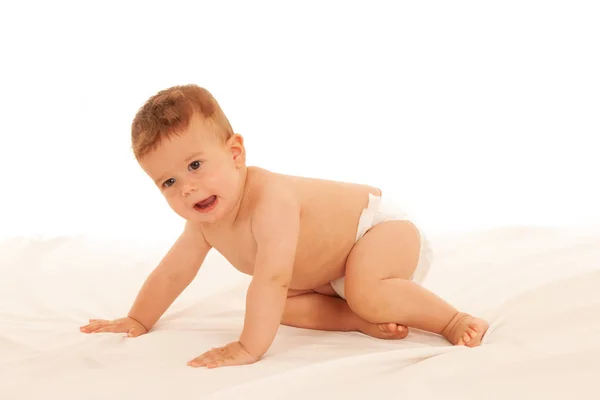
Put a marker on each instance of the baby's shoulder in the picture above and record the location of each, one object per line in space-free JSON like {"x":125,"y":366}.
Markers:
{"x":272,"y":205}
{"x":264,"y":188}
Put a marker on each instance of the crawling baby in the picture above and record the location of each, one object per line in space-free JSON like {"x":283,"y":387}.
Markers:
{"x":323,"y":255}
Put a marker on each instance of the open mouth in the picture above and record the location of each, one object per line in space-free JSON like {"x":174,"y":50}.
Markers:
{"x":206,"y":204}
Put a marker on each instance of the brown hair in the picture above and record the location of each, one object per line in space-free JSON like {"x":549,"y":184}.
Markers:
{"x":169,"y":112}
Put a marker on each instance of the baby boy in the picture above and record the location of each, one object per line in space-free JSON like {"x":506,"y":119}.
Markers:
{"x":322,"y":254}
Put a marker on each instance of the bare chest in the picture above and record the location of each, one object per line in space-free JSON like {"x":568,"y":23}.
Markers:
{"x":321,"y":251}
{"x":236,"y":246}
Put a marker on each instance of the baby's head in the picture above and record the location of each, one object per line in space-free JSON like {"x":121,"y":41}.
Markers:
{"x":184,"y":142}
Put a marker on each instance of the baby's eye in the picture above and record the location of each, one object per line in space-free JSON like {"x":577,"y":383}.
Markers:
{"x":194,"y":165}
{"x":169,"y":182}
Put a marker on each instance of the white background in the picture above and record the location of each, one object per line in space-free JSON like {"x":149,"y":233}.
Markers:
{"x":475,"y":114}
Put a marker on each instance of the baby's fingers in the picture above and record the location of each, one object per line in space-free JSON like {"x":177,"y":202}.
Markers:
{"x":204,"y":360}
{"x":135,"y":332}
{"x":101,"y":327}
{"x":109,"y":328}
{"x":198,"y":361}
{"x":93,"y":324}
{"x":92,"y":327}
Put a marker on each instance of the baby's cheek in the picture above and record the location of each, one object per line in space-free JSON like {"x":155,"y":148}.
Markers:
{"x":176,"y":204}
{"x":210,"y":180}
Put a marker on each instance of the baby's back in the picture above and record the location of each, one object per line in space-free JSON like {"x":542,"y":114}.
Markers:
{"x":329,"y":220}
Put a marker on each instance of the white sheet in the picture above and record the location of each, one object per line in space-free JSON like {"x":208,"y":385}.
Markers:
{"x":539,"y":287}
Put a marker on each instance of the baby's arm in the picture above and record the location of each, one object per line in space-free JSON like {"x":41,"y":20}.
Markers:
{"x":275,"y":226}
{"x":174,"y":273}
{"x":166,"y":282}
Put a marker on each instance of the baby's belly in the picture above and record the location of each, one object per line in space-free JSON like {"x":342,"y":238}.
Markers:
{"x":311,"y":275}
{"x":321,"y":258}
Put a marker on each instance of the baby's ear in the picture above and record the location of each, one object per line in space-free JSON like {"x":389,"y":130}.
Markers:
{"x":236,"y":145}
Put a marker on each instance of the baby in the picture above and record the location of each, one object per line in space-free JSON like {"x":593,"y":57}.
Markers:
{"x":323,"y":255}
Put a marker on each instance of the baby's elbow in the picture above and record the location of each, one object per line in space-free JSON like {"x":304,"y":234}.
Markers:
{"x":280,"y":280}
{"x":270,"y":276}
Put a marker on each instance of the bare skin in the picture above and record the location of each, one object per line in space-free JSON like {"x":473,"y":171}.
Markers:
{"x":293,"y":235}
{"x":309,"y":311}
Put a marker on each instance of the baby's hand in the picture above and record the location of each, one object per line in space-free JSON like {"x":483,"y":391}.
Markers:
{"x":232,"y":354}
{"x":121,"y":325}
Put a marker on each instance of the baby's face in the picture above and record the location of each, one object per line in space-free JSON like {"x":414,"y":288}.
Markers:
{"x":198,"y":175}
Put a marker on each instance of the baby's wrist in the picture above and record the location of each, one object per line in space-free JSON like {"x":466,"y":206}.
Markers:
{"x":139,"y":322}
{"x":255,"y":357}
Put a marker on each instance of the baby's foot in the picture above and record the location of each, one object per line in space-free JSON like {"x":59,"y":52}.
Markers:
{"x":465,"y":330}
{"x":385,"y":331}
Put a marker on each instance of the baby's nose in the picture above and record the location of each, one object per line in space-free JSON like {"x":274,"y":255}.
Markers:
{"x":188,"y":188}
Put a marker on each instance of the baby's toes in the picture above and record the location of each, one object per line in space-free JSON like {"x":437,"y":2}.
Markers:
{"x":398,"y":331}
{"x":401,"y":331}
{"x":475,"y":335}
{"x":466,"y":337}
{"x":473,"y":332}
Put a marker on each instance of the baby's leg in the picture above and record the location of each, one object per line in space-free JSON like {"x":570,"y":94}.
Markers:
{"x":321,"y":312}
{"x":378,"y":286}
{"x":387,"y":327}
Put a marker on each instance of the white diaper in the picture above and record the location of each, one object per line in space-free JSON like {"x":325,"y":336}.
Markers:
{"x":378,"y":211}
